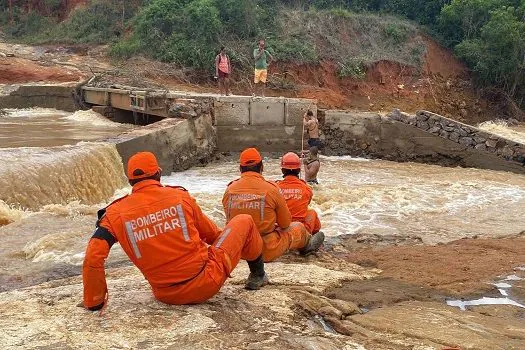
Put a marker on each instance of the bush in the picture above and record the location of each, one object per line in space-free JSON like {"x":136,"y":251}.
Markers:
{"x":180,"y":31}
{"x":397,"y":33}
{"x":239,"y":17}
{"x":354,"y":68}
{"x":98,"y":23}
{"x":126,"y":48}
{"x":293,"y":50}
{"x":26,"y":25}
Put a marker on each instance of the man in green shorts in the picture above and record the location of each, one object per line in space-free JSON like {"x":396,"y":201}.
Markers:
{"x":262,"y":60}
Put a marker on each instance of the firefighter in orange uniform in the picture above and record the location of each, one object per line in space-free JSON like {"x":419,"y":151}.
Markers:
{"x":262,"y":200}
{"x":181,"y":252}
{"x":297,"y":193}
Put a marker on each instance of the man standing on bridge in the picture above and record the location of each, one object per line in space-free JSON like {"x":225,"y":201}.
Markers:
{"x":298,"y":194}
{"x":223,"y":69}
{"x":262,"y":200}
{"x":262,"y":61}
{"x":183,"y":255}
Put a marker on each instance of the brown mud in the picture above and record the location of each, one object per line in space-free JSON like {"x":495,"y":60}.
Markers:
{"x":459,"y":268}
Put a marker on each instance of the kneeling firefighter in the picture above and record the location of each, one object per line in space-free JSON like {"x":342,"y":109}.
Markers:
{"x":261,"y":199}
{"x":179,"y":250}
{"x":297,"y":193}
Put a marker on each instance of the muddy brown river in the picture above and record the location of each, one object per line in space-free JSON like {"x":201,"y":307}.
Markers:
{"x":355,"y":196}
{"x":43,"y":127}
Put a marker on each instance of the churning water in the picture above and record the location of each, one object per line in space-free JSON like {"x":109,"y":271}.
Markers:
{"x":44,"y":127}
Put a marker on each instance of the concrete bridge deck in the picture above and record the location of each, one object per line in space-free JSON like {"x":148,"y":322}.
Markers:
{"x":270,"y":123}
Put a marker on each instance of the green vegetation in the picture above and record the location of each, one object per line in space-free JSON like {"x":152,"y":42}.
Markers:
{"x":489,"y":35}
{"x":354,"y":68}
{"x":36,"y":22}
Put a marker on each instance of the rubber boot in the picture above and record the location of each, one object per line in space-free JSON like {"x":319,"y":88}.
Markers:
{"x":313,"y":245}
{"x":257,"y":277}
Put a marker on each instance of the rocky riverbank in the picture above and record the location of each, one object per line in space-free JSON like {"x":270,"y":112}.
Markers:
{"x":394,"y":299}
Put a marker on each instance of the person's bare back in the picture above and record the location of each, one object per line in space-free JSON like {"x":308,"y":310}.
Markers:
{"x":312,"y":166}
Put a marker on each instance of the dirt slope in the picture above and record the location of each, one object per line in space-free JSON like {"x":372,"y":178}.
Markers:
{"x":442,"y":85}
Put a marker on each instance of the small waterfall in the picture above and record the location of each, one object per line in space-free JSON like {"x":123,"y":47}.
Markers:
{"x":31,"y":177}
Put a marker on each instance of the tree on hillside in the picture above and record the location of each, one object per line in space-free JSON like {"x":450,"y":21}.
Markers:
{"x":498,"y":54}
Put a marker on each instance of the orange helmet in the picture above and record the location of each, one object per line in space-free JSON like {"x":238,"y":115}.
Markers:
{"x":141,"y":165}
{"x":290,"y":161}
{"x":250,"y":156}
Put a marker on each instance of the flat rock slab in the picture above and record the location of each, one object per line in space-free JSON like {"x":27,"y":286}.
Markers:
{"x":442,"y":326}
{"x":46,"y":316}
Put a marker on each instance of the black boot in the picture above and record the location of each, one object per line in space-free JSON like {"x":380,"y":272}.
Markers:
{"x":314,"y":243}
{"x":257,"y":277}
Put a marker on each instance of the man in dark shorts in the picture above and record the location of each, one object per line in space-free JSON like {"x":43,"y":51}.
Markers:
{"x":223,"y":70}
{"x":311,"y":125}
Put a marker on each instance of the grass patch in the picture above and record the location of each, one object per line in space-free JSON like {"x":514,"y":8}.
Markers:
{"x":125,"y":49}
{"x":396,"y":32}
{"x":354,"y":68}
{"x":342,"y":36}
{"x":294,"y":50}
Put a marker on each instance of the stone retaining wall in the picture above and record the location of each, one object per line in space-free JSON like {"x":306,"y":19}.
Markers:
{"x":463,"y":134}
{"x":424,"y":138}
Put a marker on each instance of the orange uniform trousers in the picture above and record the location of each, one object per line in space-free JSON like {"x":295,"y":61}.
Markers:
{"x":240,"y":239}
{"x":312,"y":222}
{"x":280,"y":241}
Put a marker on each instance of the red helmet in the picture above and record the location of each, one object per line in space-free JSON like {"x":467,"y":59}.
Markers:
{"x":290,"y":161}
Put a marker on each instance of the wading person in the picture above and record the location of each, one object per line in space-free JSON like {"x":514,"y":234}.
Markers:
{"x":223,"y":70}
{"x":181,"y":252}
{"x":311,"y":125}
{"x":298,"y":194}
{"x":262,"y":60}
{"x":251,"y":194}
{"x":312,"y":166}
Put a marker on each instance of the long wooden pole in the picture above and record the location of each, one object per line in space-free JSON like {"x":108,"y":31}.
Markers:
{"x":302,"y":143}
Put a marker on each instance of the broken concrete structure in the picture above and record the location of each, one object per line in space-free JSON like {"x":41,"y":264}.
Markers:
{"x":194,"y":125}
{"x":401,"y":137}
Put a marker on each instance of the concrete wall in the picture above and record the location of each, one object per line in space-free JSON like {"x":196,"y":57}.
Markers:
{"x":270,"y":124}
{"x":178,"y":144}
{"x":45,"y":96}
{"x":369,"y":134}
{"x":466,"y":135}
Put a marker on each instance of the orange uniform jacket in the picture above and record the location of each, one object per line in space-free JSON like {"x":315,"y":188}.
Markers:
{"x":261,"y":199}
{"x":298,"y":195}
{"x":162,"y":230}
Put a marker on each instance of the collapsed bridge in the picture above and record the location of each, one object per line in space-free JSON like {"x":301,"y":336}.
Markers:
{"x":185,"y":129}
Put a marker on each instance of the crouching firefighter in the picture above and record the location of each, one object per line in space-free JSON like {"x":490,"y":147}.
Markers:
{"x":252,"y":194}
{"x":179,"y":250}
{"x":298,"y":194}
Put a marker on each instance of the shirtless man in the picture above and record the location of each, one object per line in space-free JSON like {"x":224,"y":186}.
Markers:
{"x":311,"y":125}
{"x":311,"y":166}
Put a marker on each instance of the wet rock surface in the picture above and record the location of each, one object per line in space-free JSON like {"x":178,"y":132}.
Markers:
{"x":322,"y":302}
{"x":464,"y":134}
